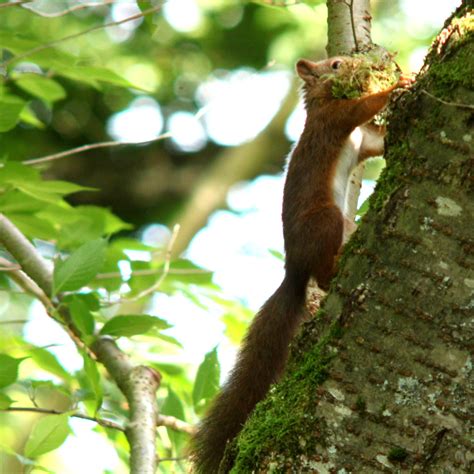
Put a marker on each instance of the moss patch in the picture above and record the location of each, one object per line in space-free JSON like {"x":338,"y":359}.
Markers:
{"x":397,"y":454}
{"x":284,"y":421}
{"x":365,"y":74}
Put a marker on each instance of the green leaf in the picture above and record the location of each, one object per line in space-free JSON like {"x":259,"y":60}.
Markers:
{"x":28,"y":116}
{"x":94,"y":75}
{"x":277,"y":254}
{"x":47,"y":434}
{"x":5,"y":401}
{"x":363,"y":208}
{"x":80,"y":267}
{"x":16,"y":201}
{"x":173,"y":407}
{"x":42,"y":87}
{"x":48,"y":191}
{"x":48,"y":362}
{"x":131,"y":325}
{"x":33,"y":226}
{"x":9,"y":369}
{"x":168,"y":339}
{"x":10,"y":110}
{"x":206,"y":384}
{"x":81,"y":315}
{"x":93,"y":381}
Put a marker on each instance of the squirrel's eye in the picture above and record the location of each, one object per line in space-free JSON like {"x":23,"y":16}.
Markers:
{"x":336,"y":64}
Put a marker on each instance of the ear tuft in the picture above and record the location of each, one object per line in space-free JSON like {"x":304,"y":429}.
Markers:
{"x":306,"y":69}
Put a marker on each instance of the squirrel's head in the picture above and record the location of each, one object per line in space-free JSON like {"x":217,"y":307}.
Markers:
{"x":318,"y":77}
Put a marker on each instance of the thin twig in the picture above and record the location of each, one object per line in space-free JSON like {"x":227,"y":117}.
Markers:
{"x":452,"y":104}
{"x":138,"y":383}
{"x":92,"y":146}
{"x":45,"y":46}
{"x":181,"y":458}
{"x":46,"y":411}
{"x":15,"y":4}
{"x":70,"y":10}
{"x":26,"y":283}
{"x":176,"y":271}
{"x":14,"y":321}
{"x":165,"y":272}
{"x":176,"y":424}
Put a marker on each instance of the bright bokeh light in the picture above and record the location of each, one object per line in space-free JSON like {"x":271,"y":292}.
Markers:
{"x":295,"y":123}
{"x":140,"y":122}
{"x":187,"y":132}
{"x":182,"y":15}
{"x":69,"y":458}
{"x":424,"y":15}
{"x":240,"y":104}
{"x":121,"y":10}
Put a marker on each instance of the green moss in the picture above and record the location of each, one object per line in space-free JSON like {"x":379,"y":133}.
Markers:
{"x":389,"y":180}
{"x":283,"y":421}
{"x":365,"y":74}
{"x":448,"y":75}
{"x":361,"y":404}
{"x":397,"y":454}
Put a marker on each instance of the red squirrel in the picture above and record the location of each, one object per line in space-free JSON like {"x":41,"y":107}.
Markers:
{"x":335,"y":138}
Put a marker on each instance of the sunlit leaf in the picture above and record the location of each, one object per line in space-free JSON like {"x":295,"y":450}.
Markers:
{"x":5,"y":401}
{"x":80,"y":267}
{"x":93,"y":381}
{"x":131,"y":325}
{"x":48,"y":361}
{"x":174,"y":407}
{"x":42,"y":87}
{"x":10,"y":110}
{"x":9,"y":369}
{"x":206,"y":384}
{"x":81,"y":315}
{"x":47,"y":434}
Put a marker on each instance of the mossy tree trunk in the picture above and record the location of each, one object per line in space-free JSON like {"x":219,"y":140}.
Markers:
{"x":381,"y":380}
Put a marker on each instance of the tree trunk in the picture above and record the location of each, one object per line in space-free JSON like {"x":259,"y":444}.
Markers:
{"x":381,"y":380}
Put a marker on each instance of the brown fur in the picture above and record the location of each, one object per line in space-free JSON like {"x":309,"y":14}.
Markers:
{"x":313,"y":229}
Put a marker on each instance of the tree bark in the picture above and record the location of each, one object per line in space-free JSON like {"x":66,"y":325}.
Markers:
{"x":381,"y":379}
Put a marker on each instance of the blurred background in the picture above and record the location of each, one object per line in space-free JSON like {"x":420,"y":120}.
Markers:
{"x":217,"y":77}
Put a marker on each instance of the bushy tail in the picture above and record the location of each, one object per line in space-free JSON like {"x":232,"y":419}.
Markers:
{"x":260,"y":362}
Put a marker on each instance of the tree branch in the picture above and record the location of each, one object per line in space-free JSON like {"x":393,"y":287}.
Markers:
{"x":53,"y":43}
{"x":69,"y":10}
{"x":38,"y":269}
{"x":46,"y":411}
{"x":349,"y":27}
{"x":15,"y":4}
{"x":176,"y":424}
{"x":25,"y":282}
{"x":92,"y":146}
{"x":138,"y":383}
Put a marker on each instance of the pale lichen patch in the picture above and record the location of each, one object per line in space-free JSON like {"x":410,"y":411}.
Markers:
{"x":448,"y":207}
{"x":343,"y":410}
{"x":443,"y":265}
{"x":467,"y":138}
{"x":469,"y":282}
{"x":383,"y":460}
{"x":449,"y":358}
{"x":335,"y":392}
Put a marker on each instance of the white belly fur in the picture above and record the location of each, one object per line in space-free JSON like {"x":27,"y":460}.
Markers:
{"x":345,"y":164}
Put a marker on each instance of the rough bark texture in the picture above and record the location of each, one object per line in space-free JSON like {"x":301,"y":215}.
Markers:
{"x":381,"y":380}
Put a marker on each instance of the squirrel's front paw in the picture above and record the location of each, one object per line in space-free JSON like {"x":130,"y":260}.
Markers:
{"x":405,"y":80}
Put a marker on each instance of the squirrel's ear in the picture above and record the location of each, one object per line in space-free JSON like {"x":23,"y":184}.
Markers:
{"x":306,"y":70}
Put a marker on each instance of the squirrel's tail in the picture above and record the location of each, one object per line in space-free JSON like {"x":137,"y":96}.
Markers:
{"x":260,"y":362}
